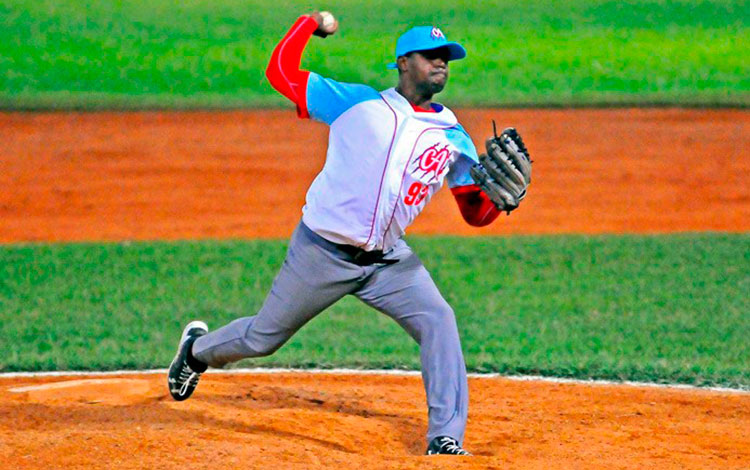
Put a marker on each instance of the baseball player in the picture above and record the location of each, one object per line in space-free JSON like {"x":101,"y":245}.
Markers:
{"x":388,"y":153}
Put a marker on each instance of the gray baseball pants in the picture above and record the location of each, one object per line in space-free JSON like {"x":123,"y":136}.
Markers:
{"x":315,"y":274}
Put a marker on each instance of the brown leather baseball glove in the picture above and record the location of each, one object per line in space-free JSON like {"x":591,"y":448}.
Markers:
{"x":504,"y":172}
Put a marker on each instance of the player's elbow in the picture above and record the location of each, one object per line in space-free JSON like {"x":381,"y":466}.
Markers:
{"x":277,"y":81}
{"x":274,"y":76}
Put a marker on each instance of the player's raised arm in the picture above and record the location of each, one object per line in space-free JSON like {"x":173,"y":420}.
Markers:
{"x":284,"y":71}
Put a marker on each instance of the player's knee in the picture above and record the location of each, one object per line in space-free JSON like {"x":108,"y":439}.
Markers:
{"x":268,"y":349}
{"x":265,"y":346}
{"x":439,"y":318}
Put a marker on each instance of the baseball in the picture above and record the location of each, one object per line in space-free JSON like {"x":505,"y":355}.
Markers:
{"x":329,"y":24}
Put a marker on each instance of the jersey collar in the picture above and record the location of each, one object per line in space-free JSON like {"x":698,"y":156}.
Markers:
{"x":442,"y":117}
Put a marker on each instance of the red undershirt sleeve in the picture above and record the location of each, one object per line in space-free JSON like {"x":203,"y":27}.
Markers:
{"x":283,"y":70}
{"x":476,"y":208}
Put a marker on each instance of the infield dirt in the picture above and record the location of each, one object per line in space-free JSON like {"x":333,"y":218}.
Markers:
{"x":108,"y":176}
{"x":298,"y":421}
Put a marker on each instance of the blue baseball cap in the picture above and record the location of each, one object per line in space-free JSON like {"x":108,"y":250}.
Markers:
{"x":425,"y":38}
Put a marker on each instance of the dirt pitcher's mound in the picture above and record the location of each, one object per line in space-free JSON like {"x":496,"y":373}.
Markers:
{"x":89,"y":391}
{"x":299,"y":421}
{"x":114,"y":176}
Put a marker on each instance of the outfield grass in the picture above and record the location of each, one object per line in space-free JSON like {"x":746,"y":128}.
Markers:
{"x":212,"y":54}
{"x":655,"y":308}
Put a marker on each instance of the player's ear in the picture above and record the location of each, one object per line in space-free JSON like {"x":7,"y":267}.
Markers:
{"x":401,"y":62}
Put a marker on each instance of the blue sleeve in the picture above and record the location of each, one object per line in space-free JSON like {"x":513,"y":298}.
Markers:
{"x":459,"y":175}
{"x":328,"y":99}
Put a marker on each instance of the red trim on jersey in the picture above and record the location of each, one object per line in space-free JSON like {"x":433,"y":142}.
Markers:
{"x":382,"y":177}
{"x":476,"y":208}
{"x":419,"y":109}
{"x":283,"y":69}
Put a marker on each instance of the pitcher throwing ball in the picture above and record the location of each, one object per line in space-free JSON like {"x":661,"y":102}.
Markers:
{"x":388,"y":153}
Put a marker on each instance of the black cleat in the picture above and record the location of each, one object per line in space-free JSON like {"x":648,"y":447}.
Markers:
{"x":181,"y":378}
{"x":445,"y":445}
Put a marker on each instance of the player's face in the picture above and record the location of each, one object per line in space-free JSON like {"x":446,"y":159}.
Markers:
{"x":429,"y":69}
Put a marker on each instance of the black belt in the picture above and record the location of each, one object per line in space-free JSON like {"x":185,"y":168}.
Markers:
{"x":361,"y":257}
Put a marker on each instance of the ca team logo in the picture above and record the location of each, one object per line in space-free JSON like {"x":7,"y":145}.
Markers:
{"x":432,"y":162}
{"x":436,"y":33}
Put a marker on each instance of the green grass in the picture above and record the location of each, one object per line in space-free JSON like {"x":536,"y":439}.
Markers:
{"x":653,"y":308}
{"x":201,"y":54}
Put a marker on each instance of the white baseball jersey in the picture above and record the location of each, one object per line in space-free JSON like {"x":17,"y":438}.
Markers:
{"x":384,"y":162}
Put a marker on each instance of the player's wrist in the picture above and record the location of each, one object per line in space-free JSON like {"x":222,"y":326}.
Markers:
{"x":316,"y":16}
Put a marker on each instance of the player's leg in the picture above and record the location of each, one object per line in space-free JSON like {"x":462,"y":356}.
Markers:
{"x":311,"y":279}
{"x":406,"y":292}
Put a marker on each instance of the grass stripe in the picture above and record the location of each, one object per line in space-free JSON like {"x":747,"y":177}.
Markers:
{"x":162,"y":54}
{"x":645,"y":308}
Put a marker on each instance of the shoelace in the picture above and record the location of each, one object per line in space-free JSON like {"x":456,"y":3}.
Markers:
{"x":452,"y":446}
{"x":187,"y":375}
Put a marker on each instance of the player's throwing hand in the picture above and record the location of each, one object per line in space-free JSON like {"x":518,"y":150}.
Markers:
{"x":327,"y":24}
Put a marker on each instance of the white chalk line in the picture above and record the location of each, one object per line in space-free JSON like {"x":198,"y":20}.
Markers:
{"x":260,"y":370}
{"x":68,"y":384}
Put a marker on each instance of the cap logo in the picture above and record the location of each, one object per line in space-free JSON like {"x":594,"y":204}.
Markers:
{"x":436,"y":33}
